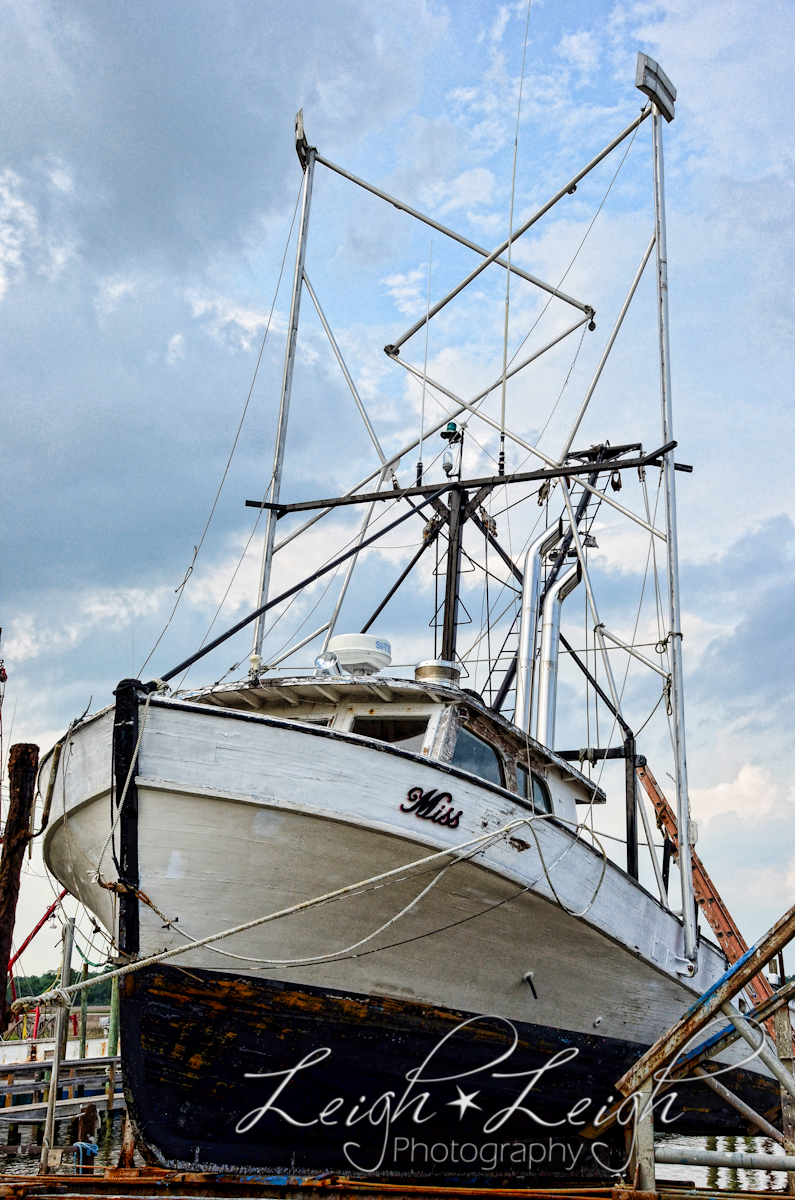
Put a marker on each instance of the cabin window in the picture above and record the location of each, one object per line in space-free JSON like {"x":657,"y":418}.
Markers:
{"x":473,"y":754}
{"x":540,"y":798}
{"x":406,"y":732}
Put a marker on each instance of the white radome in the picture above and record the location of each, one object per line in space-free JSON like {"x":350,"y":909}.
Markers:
{"x":361,"y":652}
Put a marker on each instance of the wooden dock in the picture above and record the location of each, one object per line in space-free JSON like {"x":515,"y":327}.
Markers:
{"x":24,"y":1088}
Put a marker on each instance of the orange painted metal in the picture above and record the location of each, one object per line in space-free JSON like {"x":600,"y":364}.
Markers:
{"x":707,"y":896}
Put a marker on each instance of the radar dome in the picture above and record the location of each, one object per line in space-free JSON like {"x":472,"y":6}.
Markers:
{"x":361,"y":653}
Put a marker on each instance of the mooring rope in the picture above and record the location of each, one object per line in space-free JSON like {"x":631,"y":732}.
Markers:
{"x":62,"y":996}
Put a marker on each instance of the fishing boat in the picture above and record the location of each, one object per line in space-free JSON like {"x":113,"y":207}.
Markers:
{"x":369,"y":927}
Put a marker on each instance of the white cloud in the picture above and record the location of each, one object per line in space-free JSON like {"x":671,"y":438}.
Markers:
{"x":90,"y":612}
{"x":232,"y":323}
{"x":580,"y":49}
{"x":751,"y":795}
{"x":500,"y":22}
{"x":470,"y":188}
{"x":176,"y":348}
{"x":407,"y":291}
{"x":113,"y":289}
{"x":19,"y":227}
{"x":61,"y":180}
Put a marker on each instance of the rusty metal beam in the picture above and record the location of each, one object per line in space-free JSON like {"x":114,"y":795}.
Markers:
{"x":710,"y":1004}
{"x":702,"y":1053}
{"x":708,"y":899}
{"x":758,"y":1042}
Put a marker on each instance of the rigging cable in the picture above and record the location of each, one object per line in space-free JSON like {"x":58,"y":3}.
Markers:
{"x":635,"y":629}
{"x":577,"y":251}
{"x":181,"y":589}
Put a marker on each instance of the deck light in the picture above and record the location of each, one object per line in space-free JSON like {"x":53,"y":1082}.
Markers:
{"x":654,"y":83}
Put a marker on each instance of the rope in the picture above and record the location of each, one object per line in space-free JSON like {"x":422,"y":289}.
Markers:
{"x":319,"y":958}
{"x":474,"y":916}
{"x":63,"y":995}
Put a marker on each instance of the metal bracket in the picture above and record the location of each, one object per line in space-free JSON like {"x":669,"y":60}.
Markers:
{"x":302,"y":146}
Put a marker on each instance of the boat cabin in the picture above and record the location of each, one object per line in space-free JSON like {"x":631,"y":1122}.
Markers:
{"x":431,"y":716}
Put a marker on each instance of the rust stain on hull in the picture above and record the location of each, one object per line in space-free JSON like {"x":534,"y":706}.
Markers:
{"x":202,"y":1051}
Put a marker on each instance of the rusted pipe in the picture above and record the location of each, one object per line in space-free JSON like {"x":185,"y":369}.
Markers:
{"x":684,"y":1156}
{"x":721,"y":1090}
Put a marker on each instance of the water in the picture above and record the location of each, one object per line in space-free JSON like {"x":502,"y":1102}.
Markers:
{"x":108,"y":1139}
{"x":724,"y":1178}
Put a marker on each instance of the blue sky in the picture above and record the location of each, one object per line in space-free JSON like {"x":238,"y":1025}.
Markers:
{"x":147,"y":187}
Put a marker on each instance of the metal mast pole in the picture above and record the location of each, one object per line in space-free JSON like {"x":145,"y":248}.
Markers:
{"x":307,"y":156}
{"x":458,"y":503}
{"x":674,"y":620}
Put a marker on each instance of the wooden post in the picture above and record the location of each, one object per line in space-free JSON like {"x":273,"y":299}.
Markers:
{"x":127,"y":1153}
{"x":113,"y":1023}
{"x":83,"y":1013}
{"x":642,"y":1161}
{"x":61,"y":1021}
{"x":785,"y":1055}
{"x":23,"y":763}
{"x":87,"y":1132}
{"x":111,"y":1086}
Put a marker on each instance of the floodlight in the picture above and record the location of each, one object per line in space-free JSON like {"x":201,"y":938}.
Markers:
{"x":652,"y":80}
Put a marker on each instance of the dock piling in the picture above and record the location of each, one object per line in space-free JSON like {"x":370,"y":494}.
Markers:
{"x":783,"y":1026}
{"x":61,"y":1020}
{"x":83,"y":1013}
{"x":127,"y":1152}
{"x":23,"y":762}
{"x":641,"y":1163}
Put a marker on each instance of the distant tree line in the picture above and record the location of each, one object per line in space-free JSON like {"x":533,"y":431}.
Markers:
{"x":34,"y":985}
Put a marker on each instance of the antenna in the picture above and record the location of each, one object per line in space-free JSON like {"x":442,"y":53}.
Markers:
{"x":425,"y":369}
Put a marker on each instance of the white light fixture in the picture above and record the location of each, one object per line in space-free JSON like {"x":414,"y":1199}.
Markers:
{"x":654,"y":83}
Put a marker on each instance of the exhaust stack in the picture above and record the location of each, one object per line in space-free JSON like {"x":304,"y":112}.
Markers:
{"x":528,"y":623}
{"x":548,"y":659}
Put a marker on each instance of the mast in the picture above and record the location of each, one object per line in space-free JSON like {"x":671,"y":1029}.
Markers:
{"x":306,"y":155}
{"x":651,"y":79}
{"x":458,"y":504}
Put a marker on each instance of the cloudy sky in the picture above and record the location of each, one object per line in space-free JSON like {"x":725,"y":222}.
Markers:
{"x":148,"y":184}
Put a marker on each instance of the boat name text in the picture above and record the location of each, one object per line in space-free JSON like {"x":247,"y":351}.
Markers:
{"x":430,"y":806}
